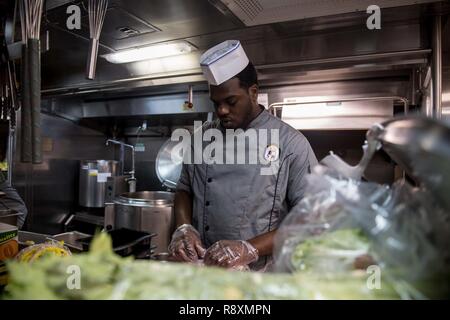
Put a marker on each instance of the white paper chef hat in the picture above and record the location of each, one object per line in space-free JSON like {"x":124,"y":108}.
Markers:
{"x":223,"y":61}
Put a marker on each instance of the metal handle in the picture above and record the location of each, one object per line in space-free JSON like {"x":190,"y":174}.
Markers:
{"x":34,"y":63}
{"x":92,"y":59}
{"x":68,"y":221}
{"x":25,"y":112}
{"x":132,"y":184}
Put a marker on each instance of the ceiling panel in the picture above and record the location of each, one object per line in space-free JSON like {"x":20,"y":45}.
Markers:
{"x":257,"y":12}
{"x":153,"y":20}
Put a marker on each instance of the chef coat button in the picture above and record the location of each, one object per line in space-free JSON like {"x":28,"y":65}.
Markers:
{"x":206,"y":228}
{"x":207,"y":203}
{"x":209,"y":179}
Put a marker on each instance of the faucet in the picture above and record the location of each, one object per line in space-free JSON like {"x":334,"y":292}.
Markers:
{"x":132,"y":180}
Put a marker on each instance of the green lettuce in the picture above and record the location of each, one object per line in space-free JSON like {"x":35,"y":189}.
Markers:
{"x":334,"y":251}
{"x":104,"y":275}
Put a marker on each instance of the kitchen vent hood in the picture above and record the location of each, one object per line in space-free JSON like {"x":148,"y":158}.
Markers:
{"x":326,"y":114}
{"x":257,"y":12}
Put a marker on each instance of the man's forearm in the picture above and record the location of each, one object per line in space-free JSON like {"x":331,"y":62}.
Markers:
{"x":263,"y":243}
{"x":182,"y":208}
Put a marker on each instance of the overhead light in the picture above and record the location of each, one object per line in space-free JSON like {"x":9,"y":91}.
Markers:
{"x":173,"y":64}
{"x":150,"y":52}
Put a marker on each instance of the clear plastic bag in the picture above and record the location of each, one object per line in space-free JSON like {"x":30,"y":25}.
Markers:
{"x":36,"y":251}
{"x":343,"y":225}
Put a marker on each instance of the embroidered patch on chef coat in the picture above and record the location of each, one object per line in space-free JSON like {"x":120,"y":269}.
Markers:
{"x":271,"y":153}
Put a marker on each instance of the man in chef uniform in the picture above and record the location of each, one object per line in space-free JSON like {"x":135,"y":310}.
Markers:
{"x":227,"y":214}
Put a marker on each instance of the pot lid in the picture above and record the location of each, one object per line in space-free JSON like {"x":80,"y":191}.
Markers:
{"x":100,"y":161}
{"x":168,"y":168}
{"x":146,"y":198}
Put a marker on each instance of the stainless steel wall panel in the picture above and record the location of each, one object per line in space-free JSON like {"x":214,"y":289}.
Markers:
{"x":144,"y":106}
{"x":50,"y":189}
{"x":147,"y":179}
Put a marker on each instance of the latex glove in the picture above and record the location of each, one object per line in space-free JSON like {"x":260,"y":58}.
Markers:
{"x":231,"y":254}
{"x":186,"y":244}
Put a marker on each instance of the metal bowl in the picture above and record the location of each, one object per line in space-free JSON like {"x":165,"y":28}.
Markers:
{"x":422,"y":147}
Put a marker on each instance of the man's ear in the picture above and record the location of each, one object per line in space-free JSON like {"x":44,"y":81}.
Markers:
{"x":253,"y":92}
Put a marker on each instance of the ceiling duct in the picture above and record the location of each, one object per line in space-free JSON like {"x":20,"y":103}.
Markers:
{"x":52,"y":4}
{"x":258,"y":12}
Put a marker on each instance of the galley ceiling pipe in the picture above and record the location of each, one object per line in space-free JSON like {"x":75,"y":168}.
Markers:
{"x":25,"y":112}
{"x":31,"y":15}
{"x":437,"y":68}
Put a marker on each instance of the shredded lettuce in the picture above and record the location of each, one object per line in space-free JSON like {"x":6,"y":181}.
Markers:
{"x":334,"y":251}
{"x":104,"y":275}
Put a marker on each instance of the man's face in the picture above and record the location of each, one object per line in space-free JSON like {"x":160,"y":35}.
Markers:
{"x":233,"y":104}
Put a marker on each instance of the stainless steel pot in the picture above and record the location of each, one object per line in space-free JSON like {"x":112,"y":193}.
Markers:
{"x":148,"y":211}
{"x":93,"y":178}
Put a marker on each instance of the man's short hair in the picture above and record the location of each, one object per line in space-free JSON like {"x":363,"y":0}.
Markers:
{"x":248,"y":76}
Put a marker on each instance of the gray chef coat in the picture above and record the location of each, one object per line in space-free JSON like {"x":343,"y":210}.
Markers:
{"x":236,"y":202}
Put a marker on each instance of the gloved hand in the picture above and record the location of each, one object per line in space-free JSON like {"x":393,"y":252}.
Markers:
{"x":186,"y":244}
{"x":231,"y":254}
